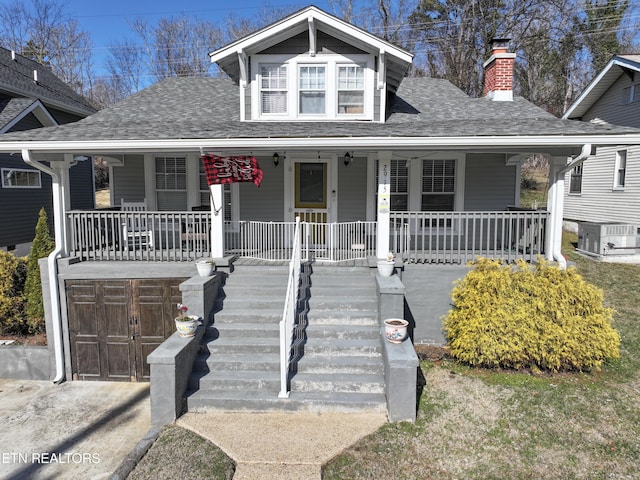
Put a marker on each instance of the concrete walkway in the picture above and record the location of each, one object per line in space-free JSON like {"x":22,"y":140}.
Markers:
{"x":69,"y":431}
{"x":286,"y":446}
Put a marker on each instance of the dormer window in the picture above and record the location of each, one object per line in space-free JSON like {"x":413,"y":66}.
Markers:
{"x":273,"y":89}
{"x":312,"y":89}
{"x":322,"y":87}
{"x":350,"y":90}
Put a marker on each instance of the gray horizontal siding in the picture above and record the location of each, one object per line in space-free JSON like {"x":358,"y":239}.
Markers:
{"x":599,"y":202}
{"x":82,"y":186}
{"x":265,"y":203}
{"x":28,"y":122}
{"x":299,"y":44}
{"x":128,"y":180}
{"x":352,"y":190}
{"x":612,"y":108}
{"x":489,"y":184}
{"x":21,"y":206}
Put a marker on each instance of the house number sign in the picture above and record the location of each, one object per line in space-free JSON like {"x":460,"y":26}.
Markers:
{"x":383,"y":191}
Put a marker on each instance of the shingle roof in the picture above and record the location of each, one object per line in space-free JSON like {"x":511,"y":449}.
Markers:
{"x":208,"y":108}
{"x":16,"y":77}
{"x":10,"y":108}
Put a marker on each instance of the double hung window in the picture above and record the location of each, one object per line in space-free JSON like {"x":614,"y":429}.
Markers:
{"x":171,"y":183}
{"x":620,"y":169}
{"x":273,"y":89}
{"x":575,"y":186}
{"x":350,"y":90}
{"x":438,"y":185}
{"x":312,"y":89}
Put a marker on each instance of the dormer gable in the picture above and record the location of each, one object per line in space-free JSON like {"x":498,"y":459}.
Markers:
{"x":313,"y":66}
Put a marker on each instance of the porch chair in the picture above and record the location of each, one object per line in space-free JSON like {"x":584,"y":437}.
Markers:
{"x":135,"y":229}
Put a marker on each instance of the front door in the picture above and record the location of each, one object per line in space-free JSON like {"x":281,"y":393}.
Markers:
{"x":310,"y":201}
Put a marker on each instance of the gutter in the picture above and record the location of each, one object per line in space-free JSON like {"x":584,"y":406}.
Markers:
{"x":558,"y":205}
{"x":334,"y":144}
{"x":53,"y":265}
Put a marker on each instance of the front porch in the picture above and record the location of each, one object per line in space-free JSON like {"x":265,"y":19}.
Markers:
{"x":414,"y":237}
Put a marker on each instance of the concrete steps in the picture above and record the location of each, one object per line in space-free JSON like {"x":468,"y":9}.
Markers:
{"x":337,"y":352}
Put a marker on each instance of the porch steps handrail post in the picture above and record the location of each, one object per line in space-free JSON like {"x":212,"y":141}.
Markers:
{"x":288,"y":317}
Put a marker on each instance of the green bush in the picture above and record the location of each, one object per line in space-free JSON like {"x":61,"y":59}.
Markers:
{"x":42,"y":246}
{"x":529,"y":316}
{"x":12,"y":278}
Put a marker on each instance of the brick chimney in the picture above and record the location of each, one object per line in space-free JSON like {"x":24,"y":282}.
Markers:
{"x":498,"y":72}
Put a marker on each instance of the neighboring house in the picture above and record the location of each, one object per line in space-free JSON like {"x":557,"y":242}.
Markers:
{"x":32,"y":97}
{"x":606,"y":189}
{"x":375,"y":161}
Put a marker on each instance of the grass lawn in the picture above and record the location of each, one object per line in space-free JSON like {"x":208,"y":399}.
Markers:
{"x":488,"y":424}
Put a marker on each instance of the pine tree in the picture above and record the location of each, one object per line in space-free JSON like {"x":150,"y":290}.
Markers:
{"x":42,"y":246}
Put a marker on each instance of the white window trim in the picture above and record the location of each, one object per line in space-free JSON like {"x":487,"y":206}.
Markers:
{"x":616,"y":185}
{"x":27,"y":170}
{"x":571,"y":175}
{"x":331,"y":61}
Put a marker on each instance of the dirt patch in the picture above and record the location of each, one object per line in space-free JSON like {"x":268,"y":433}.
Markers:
{"x":432,"y":353}
{"x":32,"y":340}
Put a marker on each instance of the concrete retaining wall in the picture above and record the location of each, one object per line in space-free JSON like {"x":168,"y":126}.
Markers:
{"x":24,"y":362}
{"x":400,"y":359}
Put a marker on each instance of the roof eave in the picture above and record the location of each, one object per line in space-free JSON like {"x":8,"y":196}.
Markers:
{"x":324,"y":143}
{"x":289,"y":24}
{"x":583,"y":103}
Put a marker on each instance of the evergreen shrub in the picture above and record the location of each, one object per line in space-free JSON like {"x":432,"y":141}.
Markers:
{"x":41,"y":247}
{"x":13,"y":271}
{"x":529,"y":316}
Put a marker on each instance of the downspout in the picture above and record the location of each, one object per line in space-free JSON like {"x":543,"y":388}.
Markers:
{"x":53,"y":265}
{"x":556,"y":214}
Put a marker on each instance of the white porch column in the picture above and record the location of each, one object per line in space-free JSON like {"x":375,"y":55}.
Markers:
{"x":64,"y":195}
{"x":384,"y":203}
{"x":217,"y":221}
{"x":555,"y":203}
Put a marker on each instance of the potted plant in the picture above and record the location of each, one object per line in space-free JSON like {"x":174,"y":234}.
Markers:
{"x":205,"y":266}
{"x":386,"y":265}
{"x":395,"y":329}
{"x":186,"y":324}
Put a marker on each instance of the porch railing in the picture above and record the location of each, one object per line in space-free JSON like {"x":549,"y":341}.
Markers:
{"x":151,"y":236}
{"x":333,"y":242}
{"x":458,"y":237}
{"x":421,"y":237}
{"x":287,"y":323}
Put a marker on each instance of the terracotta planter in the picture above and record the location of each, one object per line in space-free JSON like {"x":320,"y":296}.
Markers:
{"x":187,"y":328}
{"x":395,"y":329}
{"x":205,"y":267}
{"x":385,"y":268}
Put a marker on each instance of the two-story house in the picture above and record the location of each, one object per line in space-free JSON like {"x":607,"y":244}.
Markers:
{"x":31,"y":96}
{"x":370,"y":161}
{"x":603,"y":195}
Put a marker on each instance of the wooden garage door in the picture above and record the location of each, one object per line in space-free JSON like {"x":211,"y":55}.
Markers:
{"x":115,"y":324}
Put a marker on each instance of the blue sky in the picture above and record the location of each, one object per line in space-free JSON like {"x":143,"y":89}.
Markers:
{"x":107,"y":21}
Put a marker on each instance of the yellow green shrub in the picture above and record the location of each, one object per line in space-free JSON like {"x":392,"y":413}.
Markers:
{"x":529,"y":316}
{"x":12,"y":278}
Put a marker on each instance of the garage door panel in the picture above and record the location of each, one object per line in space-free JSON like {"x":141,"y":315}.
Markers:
{"x":118,"y":359}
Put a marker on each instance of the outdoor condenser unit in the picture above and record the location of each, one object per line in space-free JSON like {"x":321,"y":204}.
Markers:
{"x":608,"y":238}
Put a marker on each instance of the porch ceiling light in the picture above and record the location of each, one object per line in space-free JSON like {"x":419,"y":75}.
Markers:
{"x":347,"y":159}
{"x":276,"y":159}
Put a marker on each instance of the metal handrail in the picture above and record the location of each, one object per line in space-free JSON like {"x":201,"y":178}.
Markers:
{"x":288,"y":316}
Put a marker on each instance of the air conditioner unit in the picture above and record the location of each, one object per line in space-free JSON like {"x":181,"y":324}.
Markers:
{"x":608,"y":238}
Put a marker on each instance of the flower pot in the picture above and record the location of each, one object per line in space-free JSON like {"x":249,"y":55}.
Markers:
{"x":385,"y":268}
{"x":205,"y":267}
{"x":188,"y":327}
{"x":395,"y":329}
